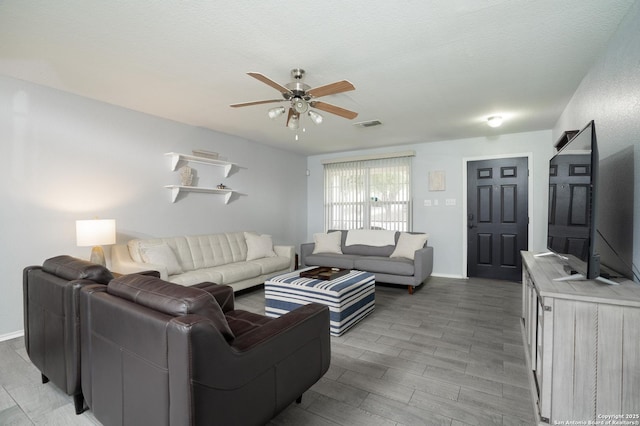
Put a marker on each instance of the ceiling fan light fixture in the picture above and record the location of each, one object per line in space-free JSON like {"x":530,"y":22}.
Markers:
{"x":300,"y":105}
{"x":294,"y":123}
{"x":276,"y":112}
{"x":315,"y":117}
{"x":494,"y":121}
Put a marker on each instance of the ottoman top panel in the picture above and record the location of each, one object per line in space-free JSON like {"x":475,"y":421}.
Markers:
{"x":335,"y":286}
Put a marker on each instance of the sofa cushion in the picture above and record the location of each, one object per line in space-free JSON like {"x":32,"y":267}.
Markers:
{"x":160,"y":254}
{"x":370,"y":237}
{"x":206,"y":251}
{"x":271,"y":264}
{"x":327,"y":243}
{"x":345,"y":261}
{"x":197,"y":276}
{"x":258,"y":246}
{"x":366,"y":250}
{"x":238,"y":271}
{"x":408,"y":244}
{"x":363,"y":250}
{"x":198,"y":251}
{"x":395,"y":266}
{"x":170,"y":299}
{"x":71,"y":268}
{"x":242,"y":322}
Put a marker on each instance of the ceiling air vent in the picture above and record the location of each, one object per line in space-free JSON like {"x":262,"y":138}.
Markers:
{"x":368,"y":123}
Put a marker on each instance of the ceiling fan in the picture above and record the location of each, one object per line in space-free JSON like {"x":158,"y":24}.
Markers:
{"x":302,"y":98}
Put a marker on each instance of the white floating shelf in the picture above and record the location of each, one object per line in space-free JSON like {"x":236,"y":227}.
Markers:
{"x":175,"y":190}
{"x":176,"y":157}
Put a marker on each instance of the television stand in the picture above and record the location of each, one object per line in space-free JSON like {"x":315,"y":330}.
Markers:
{"x":551,"y":253}
{"x":580,"y":344}
{"x":580,"y":277}
{"x":544,"y":254}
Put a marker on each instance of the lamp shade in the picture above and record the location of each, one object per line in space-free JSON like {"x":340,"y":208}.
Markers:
{"x":95,"y":232}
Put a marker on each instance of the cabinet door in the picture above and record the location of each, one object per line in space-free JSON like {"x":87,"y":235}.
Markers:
{"x":529,"y":315}
{"x":533,"y":327}
{"x":574,"y":360}
{"x":544,"y":348}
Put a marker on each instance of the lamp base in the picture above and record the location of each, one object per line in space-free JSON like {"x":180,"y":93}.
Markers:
{"x":97,"y":256}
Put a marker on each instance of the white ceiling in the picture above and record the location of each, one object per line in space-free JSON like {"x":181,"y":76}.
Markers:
{"x":428,"y":69}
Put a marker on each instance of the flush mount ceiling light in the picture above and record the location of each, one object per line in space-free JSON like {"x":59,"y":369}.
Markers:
{"x":370,"y":123}
{"x":302,"y":98}
{"x":494,"y":121}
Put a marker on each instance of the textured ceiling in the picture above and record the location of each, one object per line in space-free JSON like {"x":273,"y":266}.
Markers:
{"x":428,"y":70}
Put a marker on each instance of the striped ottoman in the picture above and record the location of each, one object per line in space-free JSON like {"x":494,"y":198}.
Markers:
{"x":350,"y":297}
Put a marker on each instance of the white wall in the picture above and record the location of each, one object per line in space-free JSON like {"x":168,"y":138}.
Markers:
{"x":610,"y":95}
{"x":445,"y":224}
{"x":68,"y":157}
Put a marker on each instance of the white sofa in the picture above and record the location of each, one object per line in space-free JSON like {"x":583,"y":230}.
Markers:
{"x":238,"y":259}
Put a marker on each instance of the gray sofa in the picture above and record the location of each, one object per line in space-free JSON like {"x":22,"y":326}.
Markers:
{"x":376,"y":259}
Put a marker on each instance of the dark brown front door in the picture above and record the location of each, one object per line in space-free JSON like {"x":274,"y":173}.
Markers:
{"x":497,"y":217}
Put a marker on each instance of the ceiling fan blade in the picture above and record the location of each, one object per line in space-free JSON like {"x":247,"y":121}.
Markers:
{"x":331,"y":89}
{"x":334,"y":109}
{"x":244,"y":104}
{"x":266,"y":80}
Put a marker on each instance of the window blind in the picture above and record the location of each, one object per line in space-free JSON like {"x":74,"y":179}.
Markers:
{"x":368,"y":194}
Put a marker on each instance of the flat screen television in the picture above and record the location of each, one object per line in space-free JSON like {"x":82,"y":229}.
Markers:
{"x":573,"y":196}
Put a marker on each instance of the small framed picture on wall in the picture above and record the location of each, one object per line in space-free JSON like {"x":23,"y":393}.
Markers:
{"x":436,"y":180}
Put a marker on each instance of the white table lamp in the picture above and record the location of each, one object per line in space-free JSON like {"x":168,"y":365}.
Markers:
{"x":96,"y":233}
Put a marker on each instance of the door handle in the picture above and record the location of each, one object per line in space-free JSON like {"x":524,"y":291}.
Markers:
{"x":470,"y":220}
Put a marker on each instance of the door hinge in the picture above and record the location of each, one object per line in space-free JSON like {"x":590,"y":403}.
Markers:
{"x":547,"y":308}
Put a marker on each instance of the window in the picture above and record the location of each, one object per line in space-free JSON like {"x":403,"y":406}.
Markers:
{"x":368,"y":194}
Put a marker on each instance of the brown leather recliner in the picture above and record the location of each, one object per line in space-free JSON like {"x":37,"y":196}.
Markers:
{"x":157,"y":353}
{"x":51,"y":327}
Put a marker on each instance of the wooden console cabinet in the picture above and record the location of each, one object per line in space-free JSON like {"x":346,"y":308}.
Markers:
{"x":582,"y":341}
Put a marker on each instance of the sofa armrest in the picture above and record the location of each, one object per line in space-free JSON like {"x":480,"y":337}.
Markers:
{"x":122,"y":263}
{"x":287,"y":251}
{"x":254,"y":352}
{"x":306,"y":249}
{"x":275,"y":332}
{"x":222,"y":293}
{"x":423,"y":263}
{"x":25,"y":302}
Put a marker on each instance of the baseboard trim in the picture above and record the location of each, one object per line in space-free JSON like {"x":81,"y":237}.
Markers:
{"x":458,"y":277}
{"x":13,"y":335}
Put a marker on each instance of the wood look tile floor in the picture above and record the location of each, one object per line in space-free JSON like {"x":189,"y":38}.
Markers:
{"x":450,"y":354}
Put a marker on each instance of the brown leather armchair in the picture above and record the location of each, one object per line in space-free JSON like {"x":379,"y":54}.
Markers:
{"x":157,"y":353}
{"x":51,"y":327}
